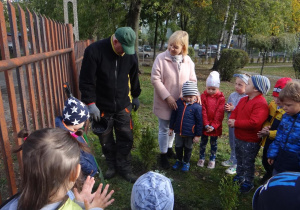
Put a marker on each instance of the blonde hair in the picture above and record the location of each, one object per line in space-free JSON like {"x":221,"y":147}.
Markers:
{"x":290,"y":91}
{"x":180,"y":37}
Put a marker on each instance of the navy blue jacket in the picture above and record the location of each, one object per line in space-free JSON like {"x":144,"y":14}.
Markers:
{"x":87,"y":160}
{"x":186,"y":120}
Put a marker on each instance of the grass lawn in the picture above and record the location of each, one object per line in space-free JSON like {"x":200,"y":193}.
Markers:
{"x":199,"y":188}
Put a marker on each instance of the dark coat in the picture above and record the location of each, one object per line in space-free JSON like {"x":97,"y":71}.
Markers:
{"x":186,"y":120}
{"x":105,"y":77}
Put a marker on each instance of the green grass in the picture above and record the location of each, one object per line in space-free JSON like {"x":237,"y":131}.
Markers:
{"x":197,"y":189}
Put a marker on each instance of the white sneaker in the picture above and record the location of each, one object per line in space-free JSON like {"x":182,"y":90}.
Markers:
{"x":200,"y":163}
{"x":227,"y":163}
{"x":231,"y":170}
{"x":211,"y":164}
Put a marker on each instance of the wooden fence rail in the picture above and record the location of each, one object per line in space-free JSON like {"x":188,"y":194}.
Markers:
{"x":41,"y":56}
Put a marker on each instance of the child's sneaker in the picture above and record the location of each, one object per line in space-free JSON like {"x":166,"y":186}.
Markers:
{"x":246,"y":187}
{"x":200,"y":163}
{"x":185,"y":167}
{"x":238,"y":179}
{"x":227,"y":163}
{"x":231,"y":170}
{"x":177,"y":165}
{"x":211,"y":164}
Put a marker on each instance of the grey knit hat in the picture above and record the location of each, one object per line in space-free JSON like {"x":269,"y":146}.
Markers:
{"x":261,"y":83}
{"x":189,"y":88}
{"x":243,"y":77}
{"x":152,"y":191}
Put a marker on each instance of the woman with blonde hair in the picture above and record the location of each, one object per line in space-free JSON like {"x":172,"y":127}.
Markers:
{"x":170,"y":70}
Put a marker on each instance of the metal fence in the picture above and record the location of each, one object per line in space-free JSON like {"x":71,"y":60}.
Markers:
{"x":40,"y":57}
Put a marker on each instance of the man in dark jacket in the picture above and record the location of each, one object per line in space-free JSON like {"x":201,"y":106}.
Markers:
{"x":109,"y":74}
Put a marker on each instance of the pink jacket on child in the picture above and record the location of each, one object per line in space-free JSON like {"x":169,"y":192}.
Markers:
{"x":167,"y":80}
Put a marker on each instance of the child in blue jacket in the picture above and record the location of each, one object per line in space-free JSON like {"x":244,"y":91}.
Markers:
{"x":284,"y":151}
{"x":74,"y":115}
{"x":186,"y":122}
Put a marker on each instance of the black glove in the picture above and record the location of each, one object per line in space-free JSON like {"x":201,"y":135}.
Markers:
{"x":135,"y":103}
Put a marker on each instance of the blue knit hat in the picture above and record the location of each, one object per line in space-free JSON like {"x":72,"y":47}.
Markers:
{"x":75,"y":112}
{"x":152,"y":191}
{"x":261,"y":83}
{"x":282,"y":191}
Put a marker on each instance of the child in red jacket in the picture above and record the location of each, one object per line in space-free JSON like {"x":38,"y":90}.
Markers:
{"x":247,"y":120}
{"x":213,"y":102}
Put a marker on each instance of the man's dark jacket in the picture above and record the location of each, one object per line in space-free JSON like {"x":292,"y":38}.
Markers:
{"x":104,"y":77}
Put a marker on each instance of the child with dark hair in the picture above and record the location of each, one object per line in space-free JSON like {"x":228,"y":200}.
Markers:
{"x":284,"y":152}
{"x":247,"y":120}
{"x":186,"y":121}
{"x":50,"y":168}
{"x":75,"y":114}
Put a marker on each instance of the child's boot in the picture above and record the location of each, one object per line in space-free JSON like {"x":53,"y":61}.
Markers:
{"x":177,"y":165}
{"x":185,"y":167}
{"x":211,"y":164}
{"x":201,"y":163}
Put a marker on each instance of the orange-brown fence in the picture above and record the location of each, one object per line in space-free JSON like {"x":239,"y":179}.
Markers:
{"x":37,"y":56}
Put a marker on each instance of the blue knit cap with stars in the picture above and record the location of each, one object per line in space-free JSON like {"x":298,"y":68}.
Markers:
{"x":75,"y":112}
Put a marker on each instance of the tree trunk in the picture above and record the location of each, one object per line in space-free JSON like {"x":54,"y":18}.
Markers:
{"x":223,"y":31}
{"x":263,"y":62}
{"x":231,"y":30}
{"x":134,"y":19}
{"x":155,"y":36}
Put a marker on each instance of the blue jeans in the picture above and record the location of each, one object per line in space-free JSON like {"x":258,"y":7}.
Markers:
{"x":213,"y":147}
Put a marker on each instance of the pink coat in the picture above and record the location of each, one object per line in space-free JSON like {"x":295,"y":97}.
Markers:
{"x":168,"y":80}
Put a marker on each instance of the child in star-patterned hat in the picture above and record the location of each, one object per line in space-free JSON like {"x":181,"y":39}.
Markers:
{"x":75,"y":114}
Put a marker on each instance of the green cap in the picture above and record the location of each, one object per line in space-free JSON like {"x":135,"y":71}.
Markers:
{"x":126,"y":36}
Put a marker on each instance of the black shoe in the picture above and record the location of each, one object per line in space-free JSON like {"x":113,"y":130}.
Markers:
{"x":130,"y":177}
{"x":164,"y":161}
{"x":110,"y":173}
{"x":171,"y":154}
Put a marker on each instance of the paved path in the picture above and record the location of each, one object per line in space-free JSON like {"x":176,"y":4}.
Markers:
{"x":254,"y":67}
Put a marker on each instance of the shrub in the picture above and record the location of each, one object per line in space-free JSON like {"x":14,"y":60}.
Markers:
{"x":137,"y":126}
{"x":258,"y":60}
{"x":272,"y":59}
{"x":228,"y":191}
{"x":284,"y":59}
{"x":209,"y":60}
{"x":230,"y":61}
{"x":281,"y":59}
{"x":147,"y":147}
{"x":276,"y":59}
{"x":296,"y":64}
{"x":202,"y":60}
{"x":191,"y":52}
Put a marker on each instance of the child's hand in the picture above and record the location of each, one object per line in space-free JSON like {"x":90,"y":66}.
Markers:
{"x":198,"y":98}
{"x":196,"y":139}
{"x":171,"y":102}
{"x":231,"y":123}
{"x":86,"y":193}
{"x":210,"y":129}
{"x":101,"y":200}
{"x":170,"y":132}
{"x":264,"y":132}
{"x":270,"y":161}
{"x":229,"y":107}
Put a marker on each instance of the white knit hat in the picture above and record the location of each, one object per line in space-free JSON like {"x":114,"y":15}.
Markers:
{"x":189,"y":88}
{"x":213,"y":79}
{"x":152,"y":191}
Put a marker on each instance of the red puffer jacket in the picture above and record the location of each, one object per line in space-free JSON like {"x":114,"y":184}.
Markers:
{"x":213,"y":112}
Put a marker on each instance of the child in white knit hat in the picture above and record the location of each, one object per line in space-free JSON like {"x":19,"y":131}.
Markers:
{"x":240,"y":87}
{"x":213,"y":102}
{"x":186,"y":122}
